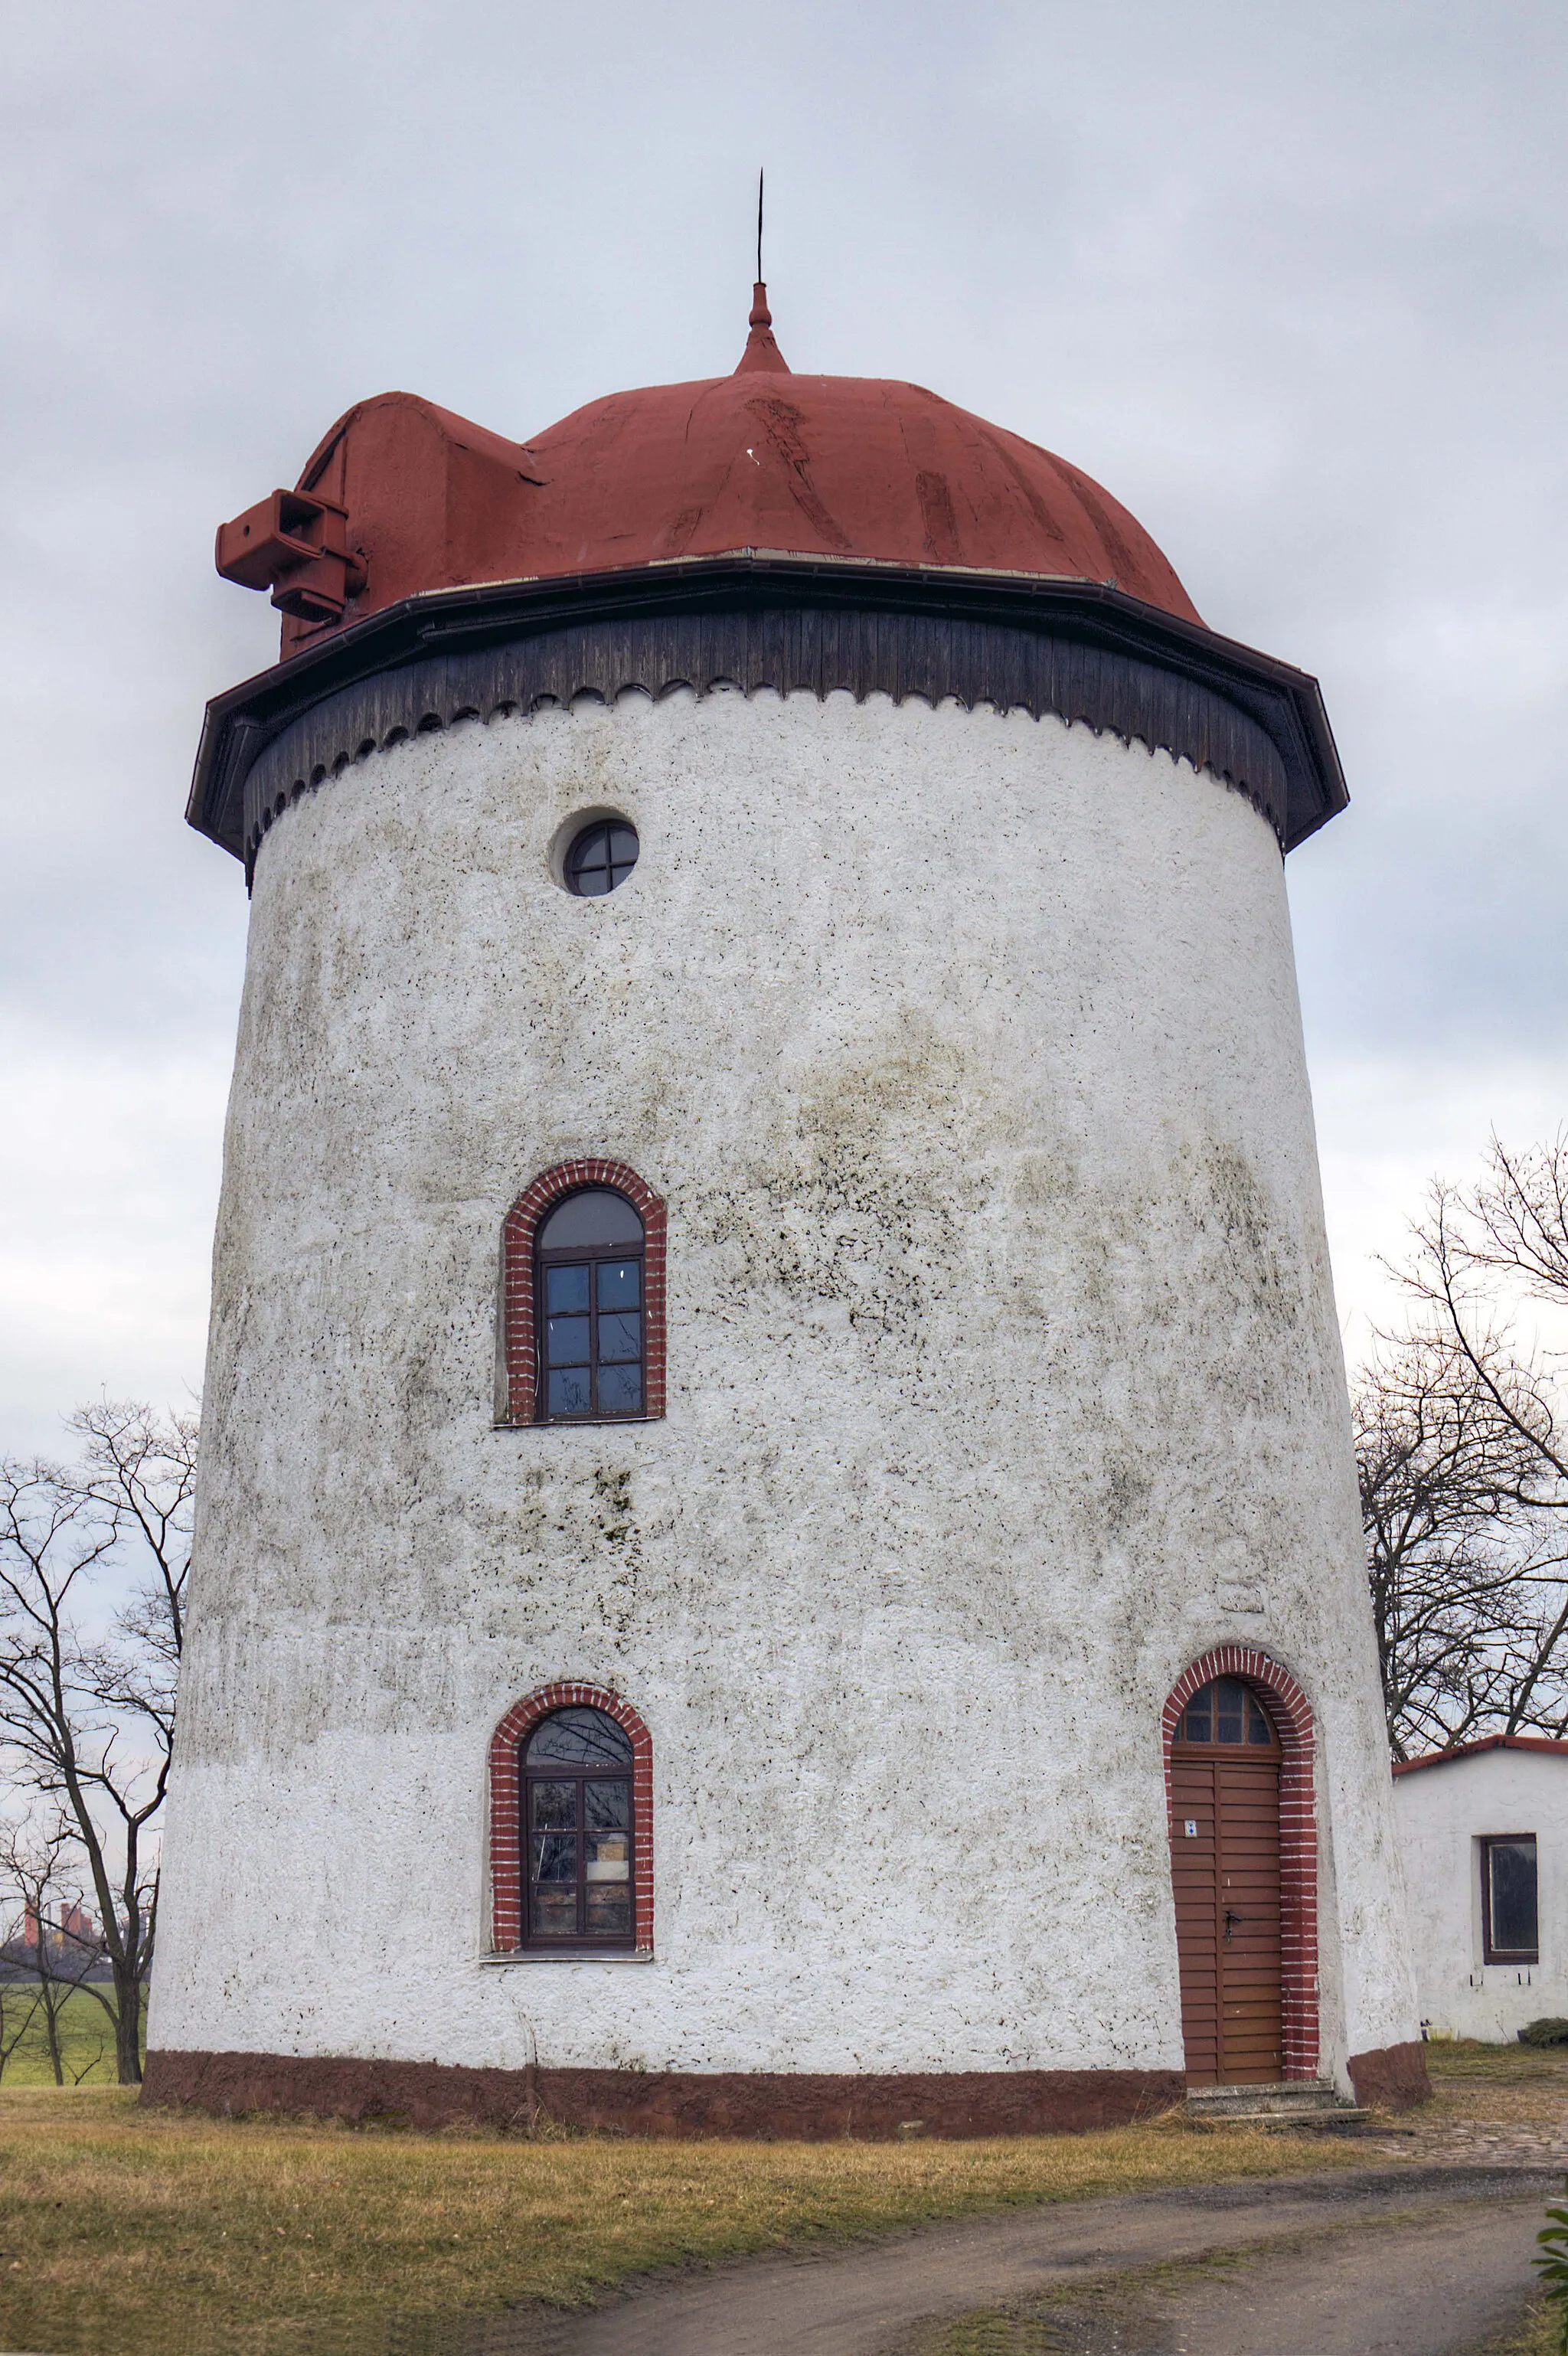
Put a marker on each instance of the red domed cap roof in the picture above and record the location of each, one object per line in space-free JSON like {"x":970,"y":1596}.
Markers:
{"x":840,"y":467}
{"x":825,"y":466}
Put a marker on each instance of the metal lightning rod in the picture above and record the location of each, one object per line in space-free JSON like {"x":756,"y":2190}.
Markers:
{"x":759,"y":228}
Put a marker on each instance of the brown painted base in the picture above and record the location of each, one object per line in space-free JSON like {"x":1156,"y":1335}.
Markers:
{"x":669,"y":2103}
{"x":1393,"y":2076}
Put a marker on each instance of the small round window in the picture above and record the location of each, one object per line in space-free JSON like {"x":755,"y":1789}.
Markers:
{"x":602,"y":856}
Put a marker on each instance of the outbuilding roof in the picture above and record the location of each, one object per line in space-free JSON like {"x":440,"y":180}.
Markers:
{"x":1486,"y":1743}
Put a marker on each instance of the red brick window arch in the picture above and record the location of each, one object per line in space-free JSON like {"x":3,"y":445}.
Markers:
{"x":571,"y":1804}
{"x":1289,"y":1720}
{"x":621,"y":1311}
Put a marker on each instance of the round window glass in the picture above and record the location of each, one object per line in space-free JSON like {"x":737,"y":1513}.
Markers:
{"x":602,"y":856}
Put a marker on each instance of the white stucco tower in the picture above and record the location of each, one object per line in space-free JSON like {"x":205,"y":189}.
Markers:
{"x":775,"y":1456}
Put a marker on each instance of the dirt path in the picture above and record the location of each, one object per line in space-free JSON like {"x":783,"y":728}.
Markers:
{"x":1413,"y":2262}
{"x":1443,"y":2287}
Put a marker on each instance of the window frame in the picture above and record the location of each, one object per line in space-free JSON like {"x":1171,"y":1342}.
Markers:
{"x":507,"y":1866}
{"x":1490,"y":1952}
{"x":519,"y":1350}
{"x":582,"y":1941}
{"x":591,"y":1256}
{"x":575,"y":860}
{"x":1211,"y":1746}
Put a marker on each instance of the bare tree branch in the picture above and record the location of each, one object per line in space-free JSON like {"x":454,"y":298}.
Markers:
{"x":1464,"y":1467}
{"x":86,"y":1717}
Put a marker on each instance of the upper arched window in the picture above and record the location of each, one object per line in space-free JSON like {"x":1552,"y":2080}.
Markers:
{"x":582,"y":1296}
{"x":590,"y":1306}
{"x":579,"y":1831}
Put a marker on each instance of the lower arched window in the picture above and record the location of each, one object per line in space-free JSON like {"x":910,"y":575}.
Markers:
{"x":579,"y":1832}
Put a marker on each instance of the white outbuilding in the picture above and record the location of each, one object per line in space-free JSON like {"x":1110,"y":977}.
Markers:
{"x":1483,"y":1830}
{"x":778,"y":1544}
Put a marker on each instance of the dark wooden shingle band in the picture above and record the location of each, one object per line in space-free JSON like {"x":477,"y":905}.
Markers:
{"x":1083,"y":652}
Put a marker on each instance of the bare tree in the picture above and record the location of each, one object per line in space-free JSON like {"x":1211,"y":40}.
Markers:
{"x":94,"y":1559}
{"x":18,"y":2005}
{"x":59,"y":1942}
{"x":1465,"y":1555}
{"x":1464,"y":1468}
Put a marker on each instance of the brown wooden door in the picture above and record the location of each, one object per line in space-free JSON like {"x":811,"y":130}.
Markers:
{"x":1224,"y":1851}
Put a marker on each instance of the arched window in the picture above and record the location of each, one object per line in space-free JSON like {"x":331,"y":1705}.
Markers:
{"x":578,"y":1832}
{"x":1225,"y":1710}
{"x":590,"y":1308}
{"x":583,"y":1309}
{"x":581,"y":1755}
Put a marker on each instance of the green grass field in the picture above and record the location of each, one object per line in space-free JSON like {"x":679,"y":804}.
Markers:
{"x":85,"y":2041}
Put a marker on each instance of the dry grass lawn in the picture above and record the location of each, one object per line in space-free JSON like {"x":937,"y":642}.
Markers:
{"x":1500,"y":2084}
{"x":159,"y":2232}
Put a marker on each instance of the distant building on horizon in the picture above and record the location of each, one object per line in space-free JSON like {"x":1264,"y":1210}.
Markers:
{"x":70,"y":1947}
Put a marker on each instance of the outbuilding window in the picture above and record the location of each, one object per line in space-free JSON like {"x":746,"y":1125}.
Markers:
{"x":590,"y":1315}
{"x":1509,"y":1919}
{"x":578,"y":1831}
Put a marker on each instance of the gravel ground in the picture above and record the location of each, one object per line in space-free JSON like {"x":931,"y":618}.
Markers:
{"x":1427,"y":2255}
{"x":1422,"y":2261}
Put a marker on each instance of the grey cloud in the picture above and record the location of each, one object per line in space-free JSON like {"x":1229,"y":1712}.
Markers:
{"x":1290,"y":281}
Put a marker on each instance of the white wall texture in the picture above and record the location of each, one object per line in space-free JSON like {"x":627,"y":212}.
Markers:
{"x":1004,"y":1381}
{"x":1442,"y":1813}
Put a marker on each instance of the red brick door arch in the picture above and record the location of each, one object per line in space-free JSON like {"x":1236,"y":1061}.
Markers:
{"x":1290,"y":1716}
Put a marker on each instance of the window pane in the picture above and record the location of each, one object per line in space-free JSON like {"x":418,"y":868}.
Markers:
{"x":609,"y":1857}
{"x":1512,"y":1867}
{"x":554,"y":1805}
{"x":568,"y":1393}
{"x":1227,"y":1716}
{"x":565,"y":1290}
{"x":620,"y":1336}
{"x":607,"y":1807}
{"x":620,"y":1390}
{"x":609,"y":1910}
{"x":555,"y":1857}
{"x":566,"y":1340}
{"x":1198,"y":1721}
{"x":1258,"y":1728}
{"x":581,"y":1736}
{"x":620,"y":1284}
{"x":554,"y":1914}
{"x":597,"y":1216}
{"x":602,"y":856}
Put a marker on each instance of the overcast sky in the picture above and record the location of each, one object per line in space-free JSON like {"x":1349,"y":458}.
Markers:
{"x":1290,"y":281}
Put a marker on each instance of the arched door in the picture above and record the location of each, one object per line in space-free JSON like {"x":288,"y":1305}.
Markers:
{"x":1224,"y":1861}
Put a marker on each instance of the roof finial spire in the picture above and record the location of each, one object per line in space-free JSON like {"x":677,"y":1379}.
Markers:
{"x":761,"y":352}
